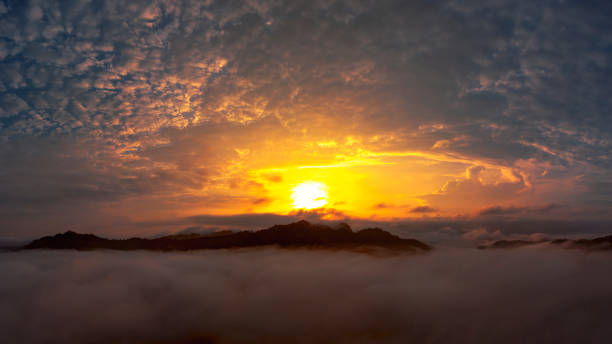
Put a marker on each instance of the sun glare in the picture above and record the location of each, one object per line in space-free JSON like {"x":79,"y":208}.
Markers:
{"x":309,"y":195}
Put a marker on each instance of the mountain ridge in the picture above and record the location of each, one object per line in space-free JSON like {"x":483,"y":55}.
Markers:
{"x":596,"y":244}
{"x":293,"y":235}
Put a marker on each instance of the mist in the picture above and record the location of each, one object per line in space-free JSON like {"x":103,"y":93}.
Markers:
{"x":533,"y":295}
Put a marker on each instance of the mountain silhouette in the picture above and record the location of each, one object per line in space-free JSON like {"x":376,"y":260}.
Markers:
{"x":298,"y":234}
{"x":596,"y":244}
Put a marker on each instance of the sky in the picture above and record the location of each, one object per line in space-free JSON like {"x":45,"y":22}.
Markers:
{"x":435,"y":119}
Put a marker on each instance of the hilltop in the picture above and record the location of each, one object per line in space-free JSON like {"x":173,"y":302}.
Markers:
{"x":294,"y":235}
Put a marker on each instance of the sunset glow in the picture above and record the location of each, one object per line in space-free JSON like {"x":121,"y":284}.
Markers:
{"x":212,"y":109}
{"x":280,"y":171}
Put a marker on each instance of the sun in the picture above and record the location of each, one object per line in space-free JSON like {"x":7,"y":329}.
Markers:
{"x":309,"y":195}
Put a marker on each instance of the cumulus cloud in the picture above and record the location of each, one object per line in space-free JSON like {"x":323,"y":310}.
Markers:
{"x":280,"y":296}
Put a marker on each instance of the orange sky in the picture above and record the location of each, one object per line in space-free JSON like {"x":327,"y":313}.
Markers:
{"x":257,"y":165}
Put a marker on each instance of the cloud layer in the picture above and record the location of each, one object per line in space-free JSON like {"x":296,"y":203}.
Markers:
{"x":282,"y":296}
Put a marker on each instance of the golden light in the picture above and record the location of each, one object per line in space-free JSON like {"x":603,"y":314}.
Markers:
{"x":309,"y":195}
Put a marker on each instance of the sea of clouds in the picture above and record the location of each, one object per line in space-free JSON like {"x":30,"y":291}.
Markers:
{"x":534,"y":295}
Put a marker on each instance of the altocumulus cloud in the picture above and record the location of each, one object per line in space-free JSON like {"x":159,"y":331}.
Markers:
{"x":282,"y":296}
{"x":97,"y":99}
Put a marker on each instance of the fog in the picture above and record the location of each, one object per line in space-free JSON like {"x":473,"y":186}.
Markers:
{"x":534,"y":295}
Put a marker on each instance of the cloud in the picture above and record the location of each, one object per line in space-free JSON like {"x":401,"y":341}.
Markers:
{"x":436,"y":231}
{"x":482,"y":234}
{"x":459,"y":296}
{"x":380,"y":206}
{"x":12,"y":105}
{"x":423,"y":209}
{"x":499,"y":210}
{"x":245,"y":221}
{"x":260,"y":221}
{"x":481,"y":186}
{"x":419,"y":209}
{"x":472,"y":231}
